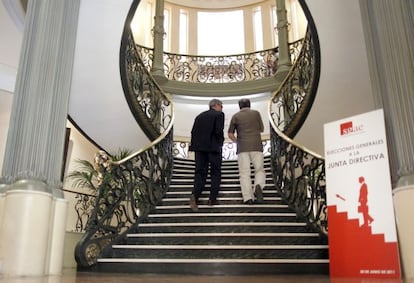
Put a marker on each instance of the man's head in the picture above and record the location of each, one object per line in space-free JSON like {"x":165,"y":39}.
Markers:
{"x":216,"y":104}
{"x":244,"y":103}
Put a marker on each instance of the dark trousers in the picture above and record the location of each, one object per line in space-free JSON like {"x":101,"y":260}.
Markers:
{"x":202,"y":162}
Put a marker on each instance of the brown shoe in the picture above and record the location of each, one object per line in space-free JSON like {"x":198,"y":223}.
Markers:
{"x":212,"y":202}
{"x":193,"y":203}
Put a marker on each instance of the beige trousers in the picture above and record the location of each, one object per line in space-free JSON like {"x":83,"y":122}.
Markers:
{"x":244,"y":160}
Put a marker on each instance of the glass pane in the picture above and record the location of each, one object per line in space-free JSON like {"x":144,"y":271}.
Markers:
{"x":258,"y":29}
{"x":167,"y":37}
{"x":220,"y":33}
{"x":183,"y":40}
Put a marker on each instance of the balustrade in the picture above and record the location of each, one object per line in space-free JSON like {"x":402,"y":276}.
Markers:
{"x":299,"y":174}
{"x":220,"y":69}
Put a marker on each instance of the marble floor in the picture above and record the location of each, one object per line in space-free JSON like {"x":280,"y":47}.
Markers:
{"x":71,"y":275}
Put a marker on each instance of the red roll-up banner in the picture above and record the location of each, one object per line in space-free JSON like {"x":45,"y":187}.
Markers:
{"x":361,"y":224}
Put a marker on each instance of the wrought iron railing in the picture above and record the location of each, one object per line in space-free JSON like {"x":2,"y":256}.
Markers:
{"x":299,"y":174}
{"x":229,"y":149}
{"x":220,"y":69}
{"x":131,"y":187}
{"x":82,"y":204}
{"x":150,"y":106}
{"x":293,"y":99}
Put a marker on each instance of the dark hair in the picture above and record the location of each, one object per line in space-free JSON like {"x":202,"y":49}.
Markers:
{"x":244,"y":102}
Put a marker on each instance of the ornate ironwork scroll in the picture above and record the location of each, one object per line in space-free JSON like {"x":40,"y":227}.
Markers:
{"x":180,"y":149}
{"x":220,"y":69}
{"x":83,"y":207}
{"x":130,"y":188}
{"x":299,"y":174}
{"x":151,"y":107}
{"x":291,"y":103}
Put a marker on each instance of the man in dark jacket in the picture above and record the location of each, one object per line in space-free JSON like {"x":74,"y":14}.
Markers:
{"x":207,"y":139}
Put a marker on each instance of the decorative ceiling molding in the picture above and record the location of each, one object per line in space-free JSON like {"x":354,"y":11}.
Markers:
{"x":214,"y":4}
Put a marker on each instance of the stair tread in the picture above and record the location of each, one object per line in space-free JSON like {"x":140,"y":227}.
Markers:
{"x":223,"y":224}
{"x":215,"y":260}
{"x":221,"y":247}
{"x":171,"y":199}
{"x":189,"y":234}
{"x":232,"y":236}
{"x":215,"y":214}
{"x":225,"y":206}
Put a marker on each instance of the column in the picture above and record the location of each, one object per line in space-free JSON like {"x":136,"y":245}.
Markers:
{"x":282,"y":33}
{"x":35,"y":141}
{"x":3,"y":188}
{"x":388,"y":30}
{"x":159,"y":33}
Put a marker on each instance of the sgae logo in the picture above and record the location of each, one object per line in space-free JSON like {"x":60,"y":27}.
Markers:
{"x":348,"y":128}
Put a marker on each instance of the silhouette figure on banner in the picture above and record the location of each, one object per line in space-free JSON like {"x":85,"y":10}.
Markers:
{"x":363,"y":203}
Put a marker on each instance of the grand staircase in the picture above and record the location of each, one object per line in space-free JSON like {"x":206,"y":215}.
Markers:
{"x":228,"y":238}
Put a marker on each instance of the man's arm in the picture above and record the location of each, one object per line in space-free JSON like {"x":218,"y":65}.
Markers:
{"x":219,"y":127}
{"x":232,"y":136}
{"x":260,"y":122}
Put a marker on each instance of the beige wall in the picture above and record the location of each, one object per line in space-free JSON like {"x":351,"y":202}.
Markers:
{"x":71,"y":239}
{"x":11,"y":38}
{"x":79,"y":148}
{"x":345,"y":85}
